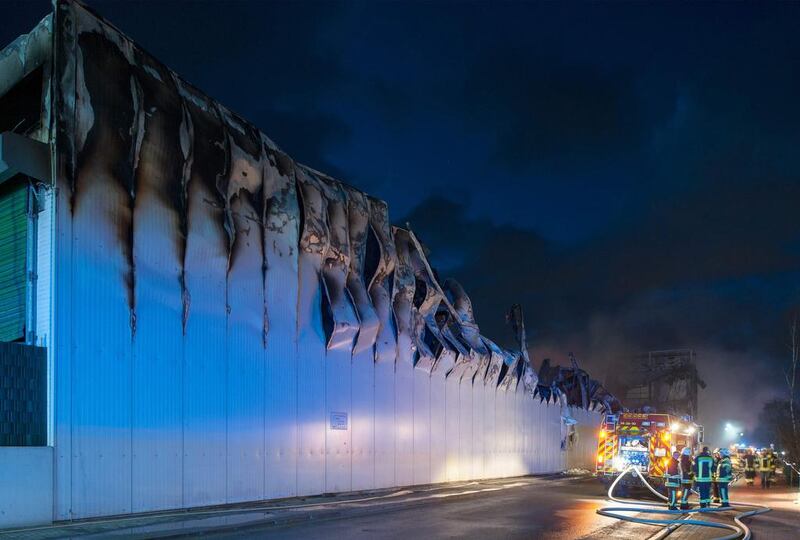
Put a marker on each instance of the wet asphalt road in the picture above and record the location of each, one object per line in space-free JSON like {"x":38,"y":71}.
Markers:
{"x":513,"y":508}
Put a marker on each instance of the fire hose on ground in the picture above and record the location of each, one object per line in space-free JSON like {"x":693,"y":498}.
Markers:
{"x":740,"y":530}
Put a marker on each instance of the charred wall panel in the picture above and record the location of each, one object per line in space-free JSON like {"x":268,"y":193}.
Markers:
{"x":404,"y":316}
{"x":103,"y":315}
{"x":156,"y":332}
{"x":204,"y":310}
{"x":246,"y":318}
{"x":281,"y":236}
{"x":61,"y":340}
{"x":381,"y":255}
{"x":362,"y":381}
{"x":311,"y":339}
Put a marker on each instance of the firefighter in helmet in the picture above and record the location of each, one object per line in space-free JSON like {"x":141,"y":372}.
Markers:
{"x":749,"y":467}
{"x":703,"y":467}
{"x":672,"y":479}
{"x":765,"y":468}
{"x":685,"y":467}
{"x":724,"y":476}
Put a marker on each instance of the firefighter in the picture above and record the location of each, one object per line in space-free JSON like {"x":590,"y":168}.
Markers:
{"x":749,"y":467}
{"x":703,"y":467}
{"x":672,"y":479}
{"x":685,"y":467}
{"x":765,"y":468}
{"x":714,"y":485}
{"x":724,"y":475}
{"x":774,"y":461}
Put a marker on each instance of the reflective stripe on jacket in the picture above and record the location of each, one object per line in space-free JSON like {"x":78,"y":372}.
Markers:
{"x":703,"y":466}
{"x":672,"y":474}
{"x":724,"y":470}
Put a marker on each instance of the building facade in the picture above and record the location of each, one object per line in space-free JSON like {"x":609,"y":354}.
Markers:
{"x":223,"y":324}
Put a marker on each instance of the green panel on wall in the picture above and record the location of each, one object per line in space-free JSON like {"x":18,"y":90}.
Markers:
{"x":13,"y":245}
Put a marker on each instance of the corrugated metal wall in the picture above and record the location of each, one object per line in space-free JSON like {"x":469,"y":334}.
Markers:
{"x":231,"y":326}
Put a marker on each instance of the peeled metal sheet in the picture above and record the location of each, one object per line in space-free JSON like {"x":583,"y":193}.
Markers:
{"x":246,"y":333}
{"x":281,"y":238}
{"x":380,"y":291}
{"x":359,"y":230}
{"x":311,"y":340}
{"x":405,"y":317}
{"x":341,"y":331}
{"x":363,"y":358}
{"x":381,"y":285}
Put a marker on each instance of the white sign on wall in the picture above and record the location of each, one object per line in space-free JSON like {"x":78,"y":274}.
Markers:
{"x":339,"y":420}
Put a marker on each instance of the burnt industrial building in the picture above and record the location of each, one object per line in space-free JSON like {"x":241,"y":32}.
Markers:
{"x":197,"y":319}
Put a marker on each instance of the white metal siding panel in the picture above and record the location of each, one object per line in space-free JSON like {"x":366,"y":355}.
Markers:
{"x":422,"y":427}
{"x":157,"y":356}
{"x":438,"y":427}
{"x":452,"y":419}
{"x":204,"y":402}
{"x":311,"y":380}
{"x":101,"y":318}
{"x":337,"y":441}
{"x":478,"y":427}
{"x":385,"y":423}
{"x":61,"y":350}
{"x":245,"y":349}
{"x":465,"y":428}
{"x":522,"y":402}
{"x":363,"y":420}
{"x":404,"y":417}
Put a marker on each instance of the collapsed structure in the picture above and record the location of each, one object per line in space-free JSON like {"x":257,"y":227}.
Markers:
{"x":224,"y":324}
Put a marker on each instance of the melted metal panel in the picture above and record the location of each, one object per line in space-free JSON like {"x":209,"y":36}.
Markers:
{"x":281,"y":237}
{"x":311,"y":340}
{"x":363,"y":365}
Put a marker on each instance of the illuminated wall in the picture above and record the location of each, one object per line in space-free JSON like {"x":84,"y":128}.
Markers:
{"x":230,"y":325}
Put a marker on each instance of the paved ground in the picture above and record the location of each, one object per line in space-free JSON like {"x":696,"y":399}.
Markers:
{"x":552,"y":508}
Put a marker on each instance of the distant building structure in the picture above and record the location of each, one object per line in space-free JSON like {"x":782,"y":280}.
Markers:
{"x":666,"y":381}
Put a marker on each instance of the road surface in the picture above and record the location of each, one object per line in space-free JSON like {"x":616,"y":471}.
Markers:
{"x":546,"y":508}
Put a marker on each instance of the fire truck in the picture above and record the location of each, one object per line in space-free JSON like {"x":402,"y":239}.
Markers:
{"x":644,"y":440}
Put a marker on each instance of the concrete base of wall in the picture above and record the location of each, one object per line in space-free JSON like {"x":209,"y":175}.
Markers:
{"x":26,"y":486}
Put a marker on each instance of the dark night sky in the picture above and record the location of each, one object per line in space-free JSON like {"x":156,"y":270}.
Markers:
{"x":628,"y":172}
